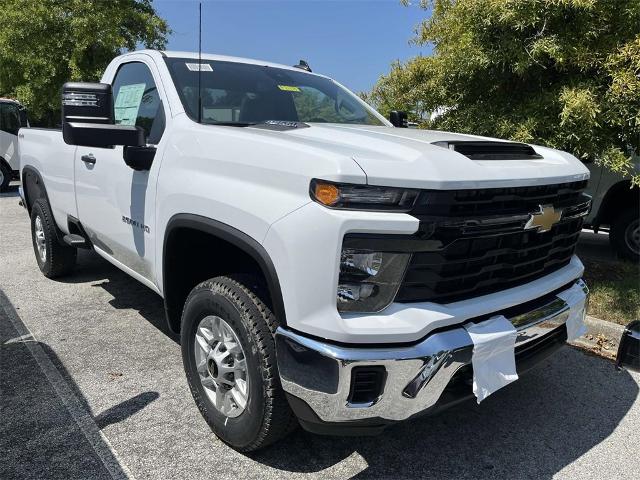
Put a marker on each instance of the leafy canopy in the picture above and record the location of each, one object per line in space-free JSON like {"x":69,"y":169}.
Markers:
{"x":564,"y":73}
{"x":44,"y":43}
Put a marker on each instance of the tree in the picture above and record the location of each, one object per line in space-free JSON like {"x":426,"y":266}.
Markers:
{"x":564,"y":73}
{"x":44,"y":43}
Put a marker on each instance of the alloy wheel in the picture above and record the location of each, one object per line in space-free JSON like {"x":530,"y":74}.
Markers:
{"x":221,"y":366}
{"x":41,"y":241}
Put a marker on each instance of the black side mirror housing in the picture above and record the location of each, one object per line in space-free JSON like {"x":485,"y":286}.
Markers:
{"x":399,"y":119}
{"x":139,"y":158}
{"x":88,"y":118}
{"x":629,"y":349}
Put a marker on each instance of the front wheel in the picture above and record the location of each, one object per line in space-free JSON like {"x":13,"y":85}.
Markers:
{"x":625,"y":235}
{"x":229,"y":358}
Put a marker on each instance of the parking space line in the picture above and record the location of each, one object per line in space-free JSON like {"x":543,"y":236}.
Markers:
{"x":73,"y":404}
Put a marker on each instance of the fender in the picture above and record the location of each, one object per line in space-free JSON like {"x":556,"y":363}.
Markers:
{"x":41,"y":191}
{"x":235,"y":237}
{"x":30,"y":196}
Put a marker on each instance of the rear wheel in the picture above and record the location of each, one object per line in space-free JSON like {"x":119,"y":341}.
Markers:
{"x":5,"y":177}
{"x":229,"y":358}
{"x":625,"y":235}
{"x":54,"y":259}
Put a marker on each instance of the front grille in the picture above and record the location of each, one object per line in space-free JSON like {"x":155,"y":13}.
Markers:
{"x":495,"y":201}
{"x":468,"y":258}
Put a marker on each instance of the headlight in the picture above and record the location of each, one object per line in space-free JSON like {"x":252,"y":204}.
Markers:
{"x":362,"y":197}
{"x":369,"y":280}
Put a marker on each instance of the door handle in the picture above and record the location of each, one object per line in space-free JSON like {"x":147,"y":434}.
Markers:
{"x":88,"y":159}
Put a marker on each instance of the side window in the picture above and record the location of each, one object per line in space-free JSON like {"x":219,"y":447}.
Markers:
{"x":137,"y":101}
{"x":9,"y":118}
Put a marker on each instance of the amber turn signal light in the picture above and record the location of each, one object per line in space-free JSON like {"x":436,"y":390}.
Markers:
{"x":326,"y":193}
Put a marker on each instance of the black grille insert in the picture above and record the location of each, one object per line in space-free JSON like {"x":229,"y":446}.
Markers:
{"x":468,"y":258}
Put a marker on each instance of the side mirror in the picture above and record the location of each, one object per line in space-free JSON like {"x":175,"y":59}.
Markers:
{"x":629,"y":349}
{"x":399,"y":119}
{"x":139,"y":158}
{"x":88,"y":119}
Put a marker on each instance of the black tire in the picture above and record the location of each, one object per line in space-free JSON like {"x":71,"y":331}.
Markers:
{"x":623,"y":235}
{"x":5,"y":177}
{"x":58,"y":259}
{"x":267,"y":416}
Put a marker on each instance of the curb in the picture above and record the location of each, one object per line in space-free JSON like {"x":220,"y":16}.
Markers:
{"x":602,"y":338}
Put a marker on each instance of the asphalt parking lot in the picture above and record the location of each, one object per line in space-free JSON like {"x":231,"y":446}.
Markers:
{"x":91,"y":386}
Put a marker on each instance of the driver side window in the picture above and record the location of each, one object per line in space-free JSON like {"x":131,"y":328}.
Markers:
{"x":137,"y":101}
{"x":9,"y":118}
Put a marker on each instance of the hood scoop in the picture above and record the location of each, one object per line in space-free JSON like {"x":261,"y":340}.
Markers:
{"x":483,"y":150}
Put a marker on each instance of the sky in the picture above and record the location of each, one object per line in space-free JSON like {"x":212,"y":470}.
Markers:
{"x":352,"y":41}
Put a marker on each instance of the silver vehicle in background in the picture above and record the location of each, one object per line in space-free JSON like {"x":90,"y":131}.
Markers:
{"x":616,"y":209}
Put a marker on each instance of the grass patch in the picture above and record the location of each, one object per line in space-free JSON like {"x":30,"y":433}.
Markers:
{"x":615,"y":290}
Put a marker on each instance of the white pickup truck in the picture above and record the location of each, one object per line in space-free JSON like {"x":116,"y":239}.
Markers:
{"x":12,"y":116}
{"x":322,"y":264}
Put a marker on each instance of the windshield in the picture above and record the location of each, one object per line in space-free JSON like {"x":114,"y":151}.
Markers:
{"x":245,"y":94}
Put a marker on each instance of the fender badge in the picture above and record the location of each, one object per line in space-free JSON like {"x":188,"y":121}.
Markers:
{"x":543,"y":219}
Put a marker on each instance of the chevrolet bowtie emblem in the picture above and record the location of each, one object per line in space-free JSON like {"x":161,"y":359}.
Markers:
{"x":544,"y":219}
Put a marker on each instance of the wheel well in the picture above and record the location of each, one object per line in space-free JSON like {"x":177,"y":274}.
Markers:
{"x":5,"y":163}
{"x":33,"y":187}
{"x":192,"y":255}
{"x":619,"y":198}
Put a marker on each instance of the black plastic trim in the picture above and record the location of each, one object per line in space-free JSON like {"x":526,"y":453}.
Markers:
{"x":491,"y":150}
{"x":238,"y":239}
{"x":43,"y":189}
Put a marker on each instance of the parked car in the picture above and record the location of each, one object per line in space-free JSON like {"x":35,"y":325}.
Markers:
{"x":12,"y":117}
{"x":616,"y":209}
{"x":321,"y":265}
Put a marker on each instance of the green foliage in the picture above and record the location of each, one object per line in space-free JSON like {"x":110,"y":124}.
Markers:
{"x":44,"y":43}
{"x":564,"y":73}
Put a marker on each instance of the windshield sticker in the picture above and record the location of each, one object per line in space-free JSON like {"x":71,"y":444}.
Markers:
{"x":288,"y":88}
{"x":128,"y":103}
{"x":204,"y":67}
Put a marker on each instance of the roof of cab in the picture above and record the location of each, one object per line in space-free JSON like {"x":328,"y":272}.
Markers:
{"x":221,"y":58}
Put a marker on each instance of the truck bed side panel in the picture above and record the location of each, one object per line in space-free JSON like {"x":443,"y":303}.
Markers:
{"x":45,"y":151}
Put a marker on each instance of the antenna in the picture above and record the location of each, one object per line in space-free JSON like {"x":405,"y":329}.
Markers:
{"x":199,"y":62}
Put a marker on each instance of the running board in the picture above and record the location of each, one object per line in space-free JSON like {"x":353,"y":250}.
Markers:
{"x":76,"y":241}
{"x":77,"y":236}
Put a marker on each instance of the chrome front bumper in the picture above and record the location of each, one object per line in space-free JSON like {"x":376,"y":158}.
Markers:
{"x":320,"y":373}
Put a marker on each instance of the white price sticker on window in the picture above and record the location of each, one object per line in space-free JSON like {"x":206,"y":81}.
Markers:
{"x":203,"y":67}
{"x":128,"y":103}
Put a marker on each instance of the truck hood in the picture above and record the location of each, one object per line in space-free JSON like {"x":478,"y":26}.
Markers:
{"x":408,"y":158}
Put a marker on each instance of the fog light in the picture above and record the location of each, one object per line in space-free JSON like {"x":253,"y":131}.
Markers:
{"x":356,"y":261}
{"x":354,"y":292}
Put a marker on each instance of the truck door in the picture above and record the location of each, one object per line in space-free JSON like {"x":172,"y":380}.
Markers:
{"x":116,"y":203}
{"x":9,"y":126}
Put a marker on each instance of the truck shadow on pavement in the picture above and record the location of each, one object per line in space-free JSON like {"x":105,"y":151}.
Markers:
{"x":127,"y":292}
{"x":46,"y":428}
{"x":533,"y":428}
